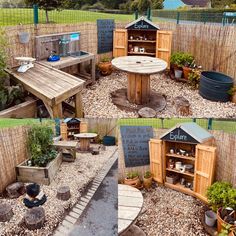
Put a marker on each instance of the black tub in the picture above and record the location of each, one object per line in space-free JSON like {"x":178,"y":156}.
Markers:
{"x":214,"y":86}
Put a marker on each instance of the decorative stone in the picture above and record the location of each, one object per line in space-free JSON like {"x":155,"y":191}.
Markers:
{"x":34,"y":218}
{"x":6,"y":212}
{"x":63,"y":193}
{"x":15,"y":190}
{"x":182,"y":106}
{"x":147,"y":112}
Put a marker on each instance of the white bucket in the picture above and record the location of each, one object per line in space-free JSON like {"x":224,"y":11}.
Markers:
{"x":178,"y":74}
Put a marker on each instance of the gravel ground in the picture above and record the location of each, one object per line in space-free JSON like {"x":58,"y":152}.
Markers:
{"x":170,"y":213}
{"x":74,"y":174}
{"x":97,"y":99}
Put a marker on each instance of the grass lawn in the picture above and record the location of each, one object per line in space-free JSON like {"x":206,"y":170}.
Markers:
{"x":25,"y":16}
{"x":228,"y":126}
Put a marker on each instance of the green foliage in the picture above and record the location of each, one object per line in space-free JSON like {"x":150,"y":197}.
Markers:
{"x":232,"y":91}
{"x":194,"y":78}
{"x":40,"y":140}
{"x":221,"y":194}
{"x":132,"y":175}
{"x":181,"y":58}
{"x":147,"y":175}
{"x":225,"y":230}
{"x":105,"y":59}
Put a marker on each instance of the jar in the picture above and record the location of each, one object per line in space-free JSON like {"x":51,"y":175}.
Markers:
{"x":171,"y":164}
{"x":178,"y":165}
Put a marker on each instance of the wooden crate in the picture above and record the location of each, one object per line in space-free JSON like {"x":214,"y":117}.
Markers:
{"x":27,"y":109}
{"x":39,"y":175}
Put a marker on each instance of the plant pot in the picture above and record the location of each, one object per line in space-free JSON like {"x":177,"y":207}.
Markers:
{"x":109,"y":141}
{"x":135,"y":182}
{"x":147,"y":182}
{"x":221,"y":222}
{"x":178,"y":74}
{"x":105,"y":68}
{"x":210,"y":218}
{"x":234,"y":98}
{"x":186,"y":71}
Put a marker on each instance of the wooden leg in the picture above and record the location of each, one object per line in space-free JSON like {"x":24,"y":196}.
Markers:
{"x":84,"y":144}
{"x":57,"y":111}
{"x":93,"y":70}
{"x":138,"y":91}
{"x":78,"y":106}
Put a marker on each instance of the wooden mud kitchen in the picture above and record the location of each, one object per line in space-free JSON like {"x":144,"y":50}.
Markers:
{"x":184,"y":159}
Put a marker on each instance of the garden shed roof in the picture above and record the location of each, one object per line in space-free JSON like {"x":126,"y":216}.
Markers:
{"x":71,"y":120}
{"x":200,"y":3}
{"x":193,"y":132}
{"x":142,"y":23}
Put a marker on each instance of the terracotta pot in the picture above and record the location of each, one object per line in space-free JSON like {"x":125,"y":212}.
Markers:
{"x":186,"y":71}
{"x":147,"y":182}
{"x":105,"y":68}
{"x":135,"y":182}
{"x":232,"y":233}
{"x":220,"y":221}
{"x":234,"y":98}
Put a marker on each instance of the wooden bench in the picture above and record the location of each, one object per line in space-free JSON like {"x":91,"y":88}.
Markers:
{"x":68,"y":149}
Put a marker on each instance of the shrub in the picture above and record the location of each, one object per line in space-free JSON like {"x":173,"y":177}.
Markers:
{"x":194,"y":78}
{"x":181,"y":59}
{"x":132,"y":175}
{"x":147,"y":175}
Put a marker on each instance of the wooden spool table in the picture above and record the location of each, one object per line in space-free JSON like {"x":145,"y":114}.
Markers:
{"x":130,"y":202}
{"x":139,"y":69}
{"x":85,"y":141}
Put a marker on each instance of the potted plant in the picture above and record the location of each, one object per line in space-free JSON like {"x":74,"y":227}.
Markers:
{"x":188,"y":61}
{"x":132,"y":179}
{"x":226,"y":230}
{"x":105,"y":66}
{"x":194,"y":78}
{"x":43,"y":161}
{"x":222,"y":198}
{"x":232,"y":93}
{"x":147,"y":180}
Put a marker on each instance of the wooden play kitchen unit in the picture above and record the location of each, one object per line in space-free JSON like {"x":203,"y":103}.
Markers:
{"x":139,"y":69}
{"x":142,"y":37}
{"x":184,"y":159}
{"x":84,"y":139}
{"x":52,"y":86}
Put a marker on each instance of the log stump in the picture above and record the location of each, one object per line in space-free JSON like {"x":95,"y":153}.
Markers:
{"x":147,"y":112}
{"x":63,"y":193}
{"x":182,"y":106}
{"x":34,"y":218}
{"x":6,"y":212}
{"x":15,"y":190}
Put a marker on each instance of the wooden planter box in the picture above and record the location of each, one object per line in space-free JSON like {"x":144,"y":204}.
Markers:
{"x":39,"y":175}
{"x":27,"y":109}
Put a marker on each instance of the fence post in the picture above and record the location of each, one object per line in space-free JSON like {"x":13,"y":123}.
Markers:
{"x":36,"y":14}
{"x":210,"y":124}
{"x":136,"y":14}
{"x":178,"y":16}
{"x":57,"y":126}
{"x":194,"y":120}
{"x":149,"y":13}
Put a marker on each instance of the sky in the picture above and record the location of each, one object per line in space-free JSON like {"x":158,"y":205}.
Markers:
{"x":172,"y":4}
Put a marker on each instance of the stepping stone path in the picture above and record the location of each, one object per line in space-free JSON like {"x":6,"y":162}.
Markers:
{"x":15,"y":190}
{"x":6,"y":212}
{"x":34,"y":218}
{"x":63,"y":193}
{"x":147,"y":112}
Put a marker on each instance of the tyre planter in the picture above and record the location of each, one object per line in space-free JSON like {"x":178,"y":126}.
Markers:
{"x":186,"y":71}
{"x":135,"y":182}
{"x":105,"y":68}
{"x":27,"y":109}
{"x":147,"y":182}
{"x":221,"y":222}
{"x":214,"y":86}
{"x":39,"y":175}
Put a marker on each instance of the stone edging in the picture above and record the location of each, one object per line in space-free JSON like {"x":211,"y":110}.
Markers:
{"x":68,"y":223}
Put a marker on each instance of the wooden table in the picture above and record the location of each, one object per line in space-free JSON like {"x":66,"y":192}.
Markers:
{"x":52,"y":86}
{"x":85,"y":140}
{"x":139,"y":69}
{"x":66,"y":62}
{"x":130,"y":202}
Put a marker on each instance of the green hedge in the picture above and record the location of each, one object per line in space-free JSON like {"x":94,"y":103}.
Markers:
{"x":201,"y":15}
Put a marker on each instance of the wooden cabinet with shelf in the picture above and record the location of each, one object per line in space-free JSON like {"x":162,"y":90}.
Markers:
{"x":198,"y":154}
{"x":142,"y":37}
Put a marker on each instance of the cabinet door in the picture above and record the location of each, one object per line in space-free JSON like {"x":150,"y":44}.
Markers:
{"x":155,"y":153}
{"x":163,"y":46}
{"x":120,"y":43}
{"x":204,"y":170}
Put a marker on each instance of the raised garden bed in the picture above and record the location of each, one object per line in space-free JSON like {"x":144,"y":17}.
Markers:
{"x":27,"y":109}
{"x":39,"y":175}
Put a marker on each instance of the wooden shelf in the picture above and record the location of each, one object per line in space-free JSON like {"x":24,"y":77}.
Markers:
{"x":141,"y":41}
{"x":180,"y":156}
{"x":142,"y":53}
{"x":179,"y":172}
{"x":179,"y":187}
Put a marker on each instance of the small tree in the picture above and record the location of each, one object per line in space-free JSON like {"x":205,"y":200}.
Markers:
{"x":143,"y":5}
{"x":47,"y":5}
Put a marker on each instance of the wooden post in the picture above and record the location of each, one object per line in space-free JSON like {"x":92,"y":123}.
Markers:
{"x":63,"y":193}
{"x":6,"y":212}
{"x":93,"y":70}
{"x":78,"y":106}
{"x":34,"y":218}
{"x":57,"y":111}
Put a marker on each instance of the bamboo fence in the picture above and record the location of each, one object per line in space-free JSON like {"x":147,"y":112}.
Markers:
{"x":13,"y":151}
{"x":213,"y":46}
{"x":225,"y":163}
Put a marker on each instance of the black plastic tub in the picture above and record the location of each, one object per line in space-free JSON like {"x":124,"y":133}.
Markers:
{"x":214,"y":86}
{"x":109,"y":141}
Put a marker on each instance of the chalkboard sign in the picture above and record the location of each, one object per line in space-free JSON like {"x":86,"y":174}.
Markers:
{"x":135,"y":144}
{"x":105,"y":35}
{"x":179,"y":135}
{"x":142,"y":25}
